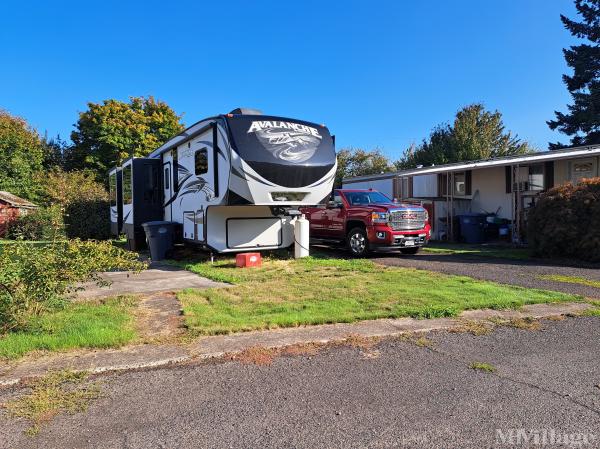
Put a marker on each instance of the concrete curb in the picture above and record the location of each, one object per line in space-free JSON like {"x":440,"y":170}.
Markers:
{"x":152,"y":356}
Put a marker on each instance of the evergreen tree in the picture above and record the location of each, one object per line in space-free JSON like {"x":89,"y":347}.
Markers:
{"x":582,"y":121}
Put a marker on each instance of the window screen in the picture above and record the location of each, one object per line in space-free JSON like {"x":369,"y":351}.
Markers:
{"x":201,"y":161}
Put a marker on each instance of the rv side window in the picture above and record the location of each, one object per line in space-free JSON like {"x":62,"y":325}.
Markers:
{"x":167,"y":178}
{"x":175,"y":154}
{"x":127,"y":192}
{"x":201,"y":161}
{"x":112,"y":183}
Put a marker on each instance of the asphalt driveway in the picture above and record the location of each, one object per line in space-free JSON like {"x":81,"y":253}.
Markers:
{"x":395,"y":395}
{"x":525,"y":273}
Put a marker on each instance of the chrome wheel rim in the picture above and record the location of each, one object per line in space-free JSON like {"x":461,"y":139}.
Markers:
{"x":357,"y":243}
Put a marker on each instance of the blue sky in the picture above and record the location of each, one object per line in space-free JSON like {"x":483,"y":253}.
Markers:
{"x":379,"y":74}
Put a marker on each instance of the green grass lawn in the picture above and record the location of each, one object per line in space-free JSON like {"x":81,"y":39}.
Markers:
{"x":285,"y":293}
{"x":477,"y":250}
{"x":105,"y":324}
{"x":571,"y":280}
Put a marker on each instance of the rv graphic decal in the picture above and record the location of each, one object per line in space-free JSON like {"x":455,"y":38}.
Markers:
{"x":196,"y":186}
{"x":292,"y":142}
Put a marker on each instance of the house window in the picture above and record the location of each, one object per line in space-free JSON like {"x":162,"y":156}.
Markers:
{"x":460,"y":184}
{"x":201,"y":162}
{"x":536,"y":177}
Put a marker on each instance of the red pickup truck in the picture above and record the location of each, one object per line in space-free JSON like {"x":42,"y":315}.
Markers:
{"x":367,"y":220}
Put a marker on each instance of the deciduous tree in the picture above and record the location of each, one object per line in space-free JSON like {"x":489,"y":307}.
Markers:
{"x":357,"y":162}
{"x":21,"y":155}
{"x":111,"y":131}
{"x":475,"y":134}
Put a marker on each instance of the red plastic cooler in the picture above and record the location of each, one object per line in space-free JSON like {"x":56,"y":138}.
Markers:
{"x":248,"y":260}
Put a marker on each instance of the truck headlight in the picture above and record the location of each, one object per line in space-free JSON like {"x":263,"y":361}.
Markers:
{"x":379,"y":217}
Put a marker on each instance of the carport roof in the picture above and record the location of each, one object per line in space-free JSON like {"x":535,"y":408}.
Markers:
{"x":568,"y":153}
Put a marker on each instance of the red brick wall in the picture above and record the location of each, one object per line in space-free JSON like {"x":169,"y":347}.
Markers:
{"x":7,"y":214}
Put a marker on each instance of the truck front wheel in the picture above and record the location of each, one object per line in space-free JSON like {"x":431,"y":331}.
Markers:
{"x":358,"y":243}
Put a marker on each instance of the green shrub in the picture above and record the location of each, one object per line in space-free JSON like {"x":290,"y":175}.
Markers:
{"x":566,"y":222}
{"x":85,"y":203}
{"x":88,"y":219}
{"x":38,"y":278}
{"x":45,"y":223}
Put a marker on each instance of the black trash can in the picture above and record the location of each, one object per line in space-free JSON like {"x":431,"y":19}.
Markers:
{"x":472,"y":228}
{"x":159,"y":235}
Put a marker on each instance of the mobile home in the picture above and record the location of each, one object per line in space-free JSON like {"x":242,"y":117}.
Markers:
{"x":505,"y":187}
{"x":232,"y":182}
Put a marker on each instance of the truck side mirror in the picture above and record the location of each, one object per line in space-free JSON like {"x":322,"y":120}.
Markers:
{"x":333,"y":205}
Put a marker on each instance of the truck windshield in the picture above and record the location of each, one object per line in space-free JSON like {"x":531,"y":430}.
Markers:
{"x":359,"y":198}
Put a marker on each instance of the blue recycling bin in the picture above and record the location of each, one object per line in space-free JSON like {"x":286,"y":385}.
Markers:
{"x":472,"y":228}
{"x":159,"y":235}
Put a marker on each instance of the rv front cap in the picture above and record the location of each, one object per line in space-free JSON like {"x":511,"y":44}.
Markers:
{"x":259,"y":125}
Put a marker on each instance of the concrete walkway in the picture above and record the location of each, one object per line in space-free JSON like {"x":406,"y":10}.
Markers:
{"x":158,"y":278}
{"x":146,"y":356}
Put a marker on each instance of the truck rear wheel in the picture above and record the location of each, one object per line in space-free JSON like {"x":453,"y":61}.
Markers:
{"x":357,"y":242}
{"x":414,"y":250}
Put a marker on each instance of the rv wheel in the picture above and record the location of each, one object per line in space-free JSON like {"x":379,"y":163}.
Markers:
{"x":357,"y":242}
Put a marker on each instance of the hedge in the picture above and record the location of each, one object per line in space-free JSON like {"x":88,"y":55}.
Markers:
{"x":566,"y":222}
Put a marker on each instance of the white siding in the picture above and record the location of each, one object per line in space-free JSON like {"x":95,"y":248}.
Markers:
{"x":385,"y":186}
{"x":489,"y":192}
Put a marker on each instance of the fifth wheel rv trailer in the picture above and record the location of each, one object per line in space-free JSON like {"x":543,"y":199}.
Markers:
{"x":233,"y":182}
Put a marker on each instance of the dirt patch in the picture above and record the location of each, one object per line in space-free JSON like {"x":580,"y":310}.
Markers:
{"x":256,"y":356}
{"x":472,"y":327}
{"x":527,"y":323}
{"x":58,"y":391}
{"x":159,"y":317}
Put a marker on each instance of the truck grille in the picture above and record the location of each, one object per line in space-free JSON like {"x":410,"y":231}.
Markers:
{"x":407,"y":220}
